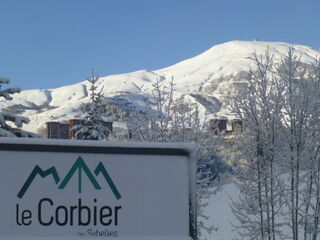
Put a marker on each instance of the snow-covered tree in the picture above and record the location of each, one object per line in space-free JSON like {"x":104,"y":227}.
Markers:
{"x":174,"y":119}
{"x":92,"y":114}
{"x":301,"y":130}
{"x":168,"y":118}
{"x":311,"y":199}
{"x":280,"y":180}
{"x":8,"y":120}
{"x":259,"y":106}
{"x":296,"y":111}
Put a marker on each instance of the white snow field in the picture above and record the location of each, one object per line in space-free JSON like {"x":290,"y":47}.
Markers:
{"x":210,"y":79}
{"x":220,"y":214}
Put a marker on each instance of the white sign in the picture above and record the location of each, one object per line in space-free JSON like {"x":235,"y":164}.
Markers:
{"x":81,"y":189}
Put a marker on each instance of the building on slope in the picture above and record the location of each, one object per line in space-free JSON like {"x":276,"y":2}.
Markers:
{"x":58,"y":130}
{"x":224,"y":126}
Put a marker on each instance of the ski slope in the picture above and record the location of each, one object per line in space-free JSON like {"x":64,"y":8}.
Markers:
{"x":210,"y":79}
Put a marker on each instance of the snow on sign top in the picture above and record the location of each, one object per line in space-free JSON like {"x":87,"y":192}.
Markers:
{"x":87,"y":189}
{"x":185,"y":147}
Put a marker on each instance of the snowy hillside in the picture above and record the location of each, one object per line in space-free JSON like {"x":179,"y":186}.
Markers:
{"x":210,"y":79}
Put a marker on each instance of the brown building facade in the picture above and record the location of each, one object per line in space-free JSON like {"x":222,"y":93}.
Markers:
{"x":57,"y":130}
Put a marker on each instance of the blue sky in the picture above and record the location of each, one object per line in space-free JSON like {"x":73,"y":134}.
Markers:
{"x":52,"y":43}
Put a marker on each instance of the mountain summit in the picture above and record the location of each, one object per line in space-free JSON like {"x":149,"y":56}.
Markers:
{"x":210,"y":79}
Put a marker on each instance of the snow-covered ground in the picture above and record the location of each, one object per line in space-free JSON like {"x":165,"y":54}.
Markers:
{"x":220,"y":214}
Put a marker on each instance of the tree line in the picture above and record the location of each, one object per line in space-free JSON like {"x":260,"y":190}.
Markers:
{"x":279,"y":181}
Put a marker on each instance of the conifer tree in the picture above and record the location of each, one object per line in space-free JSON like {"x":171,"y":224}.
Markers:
{"x":7,"y":129}
{"x":92,"y":127}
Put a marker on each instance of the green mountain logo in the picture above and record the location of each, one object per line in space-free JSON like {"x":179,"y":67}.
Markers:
{"x":78,"y":168}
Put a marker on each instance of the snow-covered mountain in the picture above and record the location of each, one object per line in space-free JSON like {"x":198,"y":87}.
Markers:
{"x":210,"y":79}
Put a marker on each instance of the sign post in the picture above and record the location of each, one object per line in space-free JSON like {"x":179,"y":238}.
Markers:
{"x":64,"y":189}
